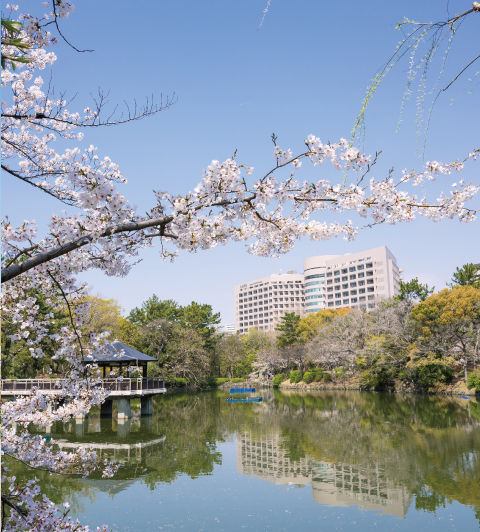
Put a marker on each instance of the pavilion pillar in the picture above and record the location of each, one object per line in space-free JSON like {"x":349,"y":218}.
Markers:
{"x":106,"y":408}
{"x":124,"y":410}
{"x":104,"y":368}
{"x":146,"y":405}
{"x":145,"y":371}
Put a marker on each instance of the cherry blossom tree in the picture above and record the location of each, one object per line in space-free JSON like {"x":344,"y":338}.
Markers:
{"x":102,"y":230}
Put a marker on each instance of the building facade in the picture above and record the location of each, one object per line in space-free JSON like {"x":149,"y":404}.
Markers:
{"x":261,"y":303}
{"x":354,"y":280}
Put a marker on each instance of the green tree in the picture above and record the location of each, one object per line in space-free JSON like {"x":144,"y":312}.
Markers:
{"x":156,"y":309}
{"x":414,"y":290}
{"x":288,"y":328}
{"x":203,"y":321}
{"x":467,"y":275}
{"x":448,"y":324}
{"x":104,"y":316}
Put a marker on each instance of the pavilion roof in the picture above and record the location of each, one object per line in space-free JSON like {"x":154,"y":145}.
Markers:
{"x":129,"y":354}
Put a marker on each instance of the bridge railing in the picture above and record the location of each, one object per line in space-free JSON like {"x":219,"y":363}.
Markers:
{"x":114,"y":385}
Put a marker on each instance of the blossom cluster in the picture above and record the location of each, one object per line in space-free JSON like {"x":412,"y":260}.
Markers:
{"x":105,"y":232}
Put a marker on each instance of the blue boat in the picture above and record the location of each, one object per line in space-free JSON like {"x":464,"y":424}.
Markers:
{"x":242,"y":390}
{"x":246,"y":400}
{"x":464,"y":397}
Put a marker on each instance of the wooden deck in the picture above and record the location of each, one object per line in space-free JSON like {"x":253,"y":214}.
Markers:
{"x":126,"y":388}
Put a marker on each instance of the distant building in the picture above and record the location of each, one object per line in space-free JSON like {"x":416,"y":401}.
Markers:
{"x":261,"y":303}
{"x":355,"y":280}
{"x":230,"y":328}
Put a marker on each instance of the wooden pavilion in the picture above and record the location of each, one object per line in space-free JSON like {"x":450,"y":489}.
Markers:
{"x":117,"y":360}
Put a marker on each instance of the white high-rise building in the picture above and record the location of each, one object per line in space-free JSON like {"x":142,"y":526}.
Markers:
{"x":354,"y":280}
{"x":260,"y":304}
{"x":329,"y":281}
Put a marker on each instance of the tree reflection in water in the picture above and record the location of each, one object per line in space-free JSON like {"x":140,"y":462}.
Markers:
{"x":379,"y":451}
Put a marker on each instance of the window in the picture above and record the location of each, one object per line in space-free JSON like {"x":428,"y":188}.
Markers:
{"x":361,"y":291}
{"x":337,"y":288}
{"x":329,"y":281}
{"x":330,"y":289}
{"x":330,"y":304}
{"x":314,"y":282}
{"x":361,"y":283}
{"x":353,"y":285}
{"x":353,"y":276}
{"x":344,"y":270}
{"x":338,"y":303}
{"x":345,"y":301}
{"x":313,"y":303}
{"x":345,"y":294}
{"x":369,"y":265}
{"x":330,"y":297}
{"x":352,"y":268}
{"x":370,"y":289}
{"x":354,"y":299}
{"x":312,"y":290}
{"x":329,"y":274}
{"x":345,"y":278}
{"x":353,"y":292}
{"x":369,"y":281}
{"x":361,"y":275}
{"x":379,"y":271}
{"x":316,"y":276}
{"x":361,"y":266}
{"x":314,"y":297}
{"x":337,"y":296}
{"x":362,"y":298}
{"x":337,"y":280}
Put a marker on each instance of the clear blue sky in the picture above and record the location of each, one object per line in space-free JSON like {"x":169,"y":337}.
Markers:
{"x":305,"y":71}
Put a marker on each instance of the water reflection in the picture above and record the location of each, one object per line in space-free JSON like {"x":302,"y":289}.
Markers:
{"x":333,"y":484}
{"x":392,"y":454}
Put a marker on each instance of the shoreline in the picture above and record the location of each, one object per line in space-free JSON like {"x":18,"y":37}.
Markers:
{"x":455,"y":387}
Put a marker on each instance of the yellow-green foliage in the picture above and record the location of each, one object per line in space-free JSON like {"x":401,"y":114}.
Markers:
{"x":308,"y":327}
{"x":448,"y":307}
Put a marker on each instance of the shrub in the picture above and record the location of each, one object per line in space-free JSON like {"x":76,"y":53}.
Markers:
{"x":295,"y":376}
{"x":216,"y":381}
{"x":318,"y":374}
{"x":403,"y":375}
{"x":277,"y":380}
{"x":180,"y":381}
{"x":237,"y":379}
{"x":308,"y":377}
{"x":430,"y":374}
{"x":327,"y":377}
{"x":473,"y":380}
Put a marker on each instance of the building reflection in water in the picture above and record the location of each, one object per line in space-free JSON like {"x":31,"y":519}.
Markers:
{"x":333,"y":484}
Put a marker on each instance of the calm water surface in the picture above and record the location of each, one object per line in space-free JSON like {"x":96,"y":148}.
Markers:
{"x":336,"y":461}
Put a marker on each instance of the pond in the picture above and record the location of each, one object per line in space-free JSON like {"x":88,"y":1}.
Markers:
{"x":335,"y":461}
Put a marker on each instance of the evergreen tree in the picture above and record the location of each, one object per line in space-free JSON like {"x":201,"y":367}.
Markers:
{"x":413,"y":289}
{"x":467,"y":275}
{"x":288,"y":327}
